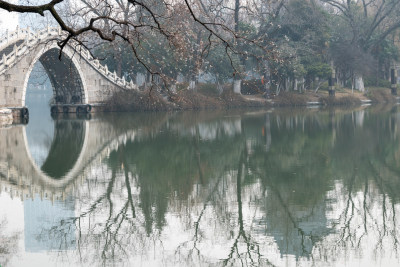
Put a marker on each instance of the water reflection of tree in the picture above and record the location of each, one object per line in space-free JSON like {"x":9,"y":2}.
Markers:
{"x":324,"y":185}
{"x":295,"y":173}
{"x":367,"y":189}
{"x":302,"y":167}
{"x":126,"y":204}
{"x":8,"y":243}
{"x":252,"y":255}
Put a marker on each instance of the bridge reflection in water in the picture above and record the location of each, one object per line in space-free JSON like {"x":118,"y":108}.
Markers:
{"x":224,"y":188}
{"x":54,"y":145}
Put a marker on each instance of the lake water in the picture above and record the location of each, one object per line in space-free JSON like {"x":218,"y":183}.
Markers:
{"x":277,"y":187}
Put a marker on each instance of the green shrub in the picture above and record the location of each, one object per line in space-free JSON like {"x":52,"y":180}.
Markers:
{"x":182,"y":86}
{"x":324,"y":86}
{"x":371,"y":81}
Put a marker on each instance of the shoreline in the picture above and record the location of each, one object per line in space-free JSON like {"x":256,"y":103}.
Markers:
{"x":196,"y":100}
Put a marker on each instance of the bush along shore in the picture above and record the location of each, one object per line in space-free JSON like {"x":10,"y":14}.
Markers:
{"x":204,"y":98}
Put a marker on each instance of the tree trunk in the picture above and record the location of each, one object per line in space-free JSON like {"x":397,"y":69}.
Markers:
{"x":267,"y":84}
{"x":194,"y":76}
{"x":149,"y":80}
{"x":359,"y":82}
{"x":117,"y":58}
{"x":278,"y":89}
{"x":236,"y":77}
{"x":219,"y":85}
{"x":173,"y":88}
{"x":286,"y":86}
{"x":192,"y":84}
{"x":237,"y":86}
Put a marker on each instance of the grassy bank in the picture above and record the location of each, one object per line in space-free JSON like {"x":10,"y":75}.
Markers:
{"x":183,"y":100}
{"x":343,"y":97}
{"x":380,"y":95}
{"x":207,"y":97}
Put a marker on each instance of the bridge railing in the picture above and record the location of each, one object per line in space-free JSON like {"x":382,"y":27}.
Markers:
{"x":30,"y":40}
{"x":11,"y":37}
{"x":33,"y":39}
{"x":103,"y":69}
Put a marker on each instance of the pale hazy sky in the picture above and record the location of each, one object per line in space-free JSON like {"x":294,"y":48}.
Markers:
{"x":8,"y":20}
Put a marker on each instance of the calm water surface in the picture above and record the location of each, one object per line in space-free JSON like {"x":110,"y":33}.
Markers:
{"x":233,"y":188}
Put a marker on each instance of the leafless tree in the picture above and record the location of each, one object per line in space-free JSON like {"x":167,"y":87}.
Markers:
{"x":369,"y":22}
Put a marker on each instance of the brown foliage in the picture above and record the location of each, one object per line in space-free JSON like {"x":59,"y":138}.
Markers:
{"x":335,"y":101}
{"x":133,"y":100}
{"x":183,"y":100}
{"x":381,"y":95}
{"x":291,"y":99}
{"x":186,"y":99}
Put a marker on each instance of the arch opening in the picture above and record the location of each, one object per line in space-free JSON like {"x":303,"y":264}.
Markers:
{"x":69,"y":136}
{"x":54,"y":145}
{"x":56,"y":150}
{"x":64,"y":77}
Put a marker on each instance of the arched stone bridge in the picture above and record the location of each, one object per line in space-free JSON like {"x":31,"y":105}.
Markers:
{"x":77,"y":79}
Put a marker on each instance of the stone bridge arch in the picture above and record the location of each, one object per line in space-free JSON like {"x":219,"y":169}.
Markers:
{"x":66,"y":75}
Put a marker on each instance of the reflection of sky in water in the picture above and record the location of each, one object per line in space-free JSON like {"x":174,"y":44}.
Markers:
{"x":43,"y":214}
{"x":40,"y":129}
